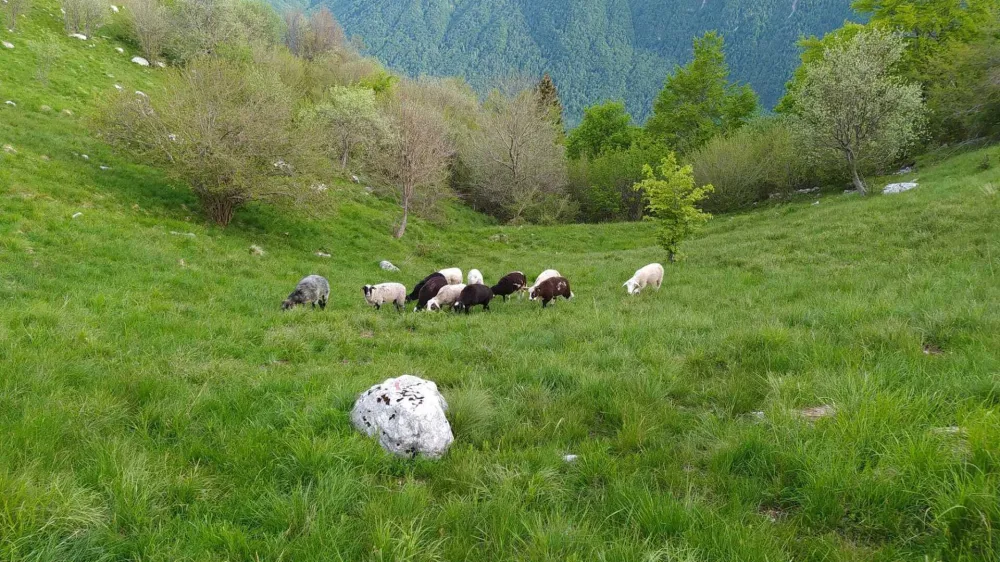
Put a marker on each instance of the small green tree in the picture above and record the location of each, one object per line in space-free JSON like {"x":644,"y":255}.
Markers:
{"x":698,"y":101}
{"x":349,"y":120}
{"x":852,"y":106}
{"x":604,"y":127}
{"x":672,"y":200}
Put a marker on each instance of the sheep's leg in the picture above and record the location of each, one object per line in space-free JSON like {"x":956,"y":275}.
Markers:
{"x":378,"y":306}
{"x":322,"y":304}
{"x":486,"y":306}
{"x":545,"y":302}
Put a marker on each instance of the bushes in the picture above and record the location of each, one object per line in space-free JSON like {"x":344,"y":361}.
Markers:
{"x":602,"y":187}
{"x":751,"y":164}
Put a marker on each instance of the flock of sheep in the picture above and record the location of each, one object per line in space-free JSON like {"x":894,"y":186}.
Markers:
{"x":445,"y":289}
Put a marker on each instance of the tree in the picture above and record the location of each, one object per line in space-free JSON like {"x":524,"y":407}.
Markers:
{"x":348,"y":119}
{"x":149,"y":25}
{"x":964,"y":94}
{"x":324,"y":34}
{"x":698,"y":101}
{"x":83,"y":15}
{"x":517,"y":165}
{"x":548,"y":100}
{"x":413,"y":159}
{"x":14,"y":9}
{"x":853,"y":106}
{"x":296,"y":27}
{"x":604,"y":127}
{"x":226,"y":130}
{"x":602,"y":186}
{"x":672,"y":200}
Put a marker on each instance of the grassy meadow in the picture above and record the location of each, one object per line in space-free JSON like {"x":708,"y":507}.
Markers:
{"x":814,"y":382}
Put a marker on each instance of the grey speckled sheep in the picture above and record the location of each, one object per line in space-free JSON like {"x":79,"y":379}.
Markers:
{"x":385,"y":293}
{"x":311,"y":290}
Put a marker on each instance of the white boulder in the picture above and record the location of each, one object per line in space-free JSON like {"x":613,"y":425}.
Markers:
{"x":79,"y":36}
{"x":11,"y":103}
{"x":406,"y":414}
{"x":120,"y":50}
{"x":7,"y":45}
{"x":140,"y":61}
{"x":386,"y":265}
{"x":898,"y":187}
{"x":114,"y":8}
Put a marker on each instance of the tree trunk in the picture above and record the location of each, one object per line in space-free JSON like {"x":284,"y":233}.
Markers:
{"x":343,"y":156}
{"x":859,"y":184}
{"x":220,"y":207}
{"x":401,"y":229}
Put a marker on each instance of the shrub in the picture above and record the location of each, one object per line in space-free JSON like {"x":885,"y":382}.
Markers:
{"x":83,"y":16}
{"x":672,"y":199}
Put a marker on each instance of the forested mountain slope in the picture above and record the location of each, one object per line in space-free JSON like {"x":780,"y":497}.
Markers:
{"x":595,"y":49}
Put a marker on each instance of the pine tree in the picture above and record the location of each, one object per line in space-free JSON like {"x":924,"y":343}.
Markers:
{"x":548,"y":100}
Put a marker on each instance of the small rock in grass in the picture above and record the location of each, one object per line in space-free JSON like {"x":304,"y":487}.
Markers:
{"x":77,"y":215}
{"x":386,"y":265}
{"x":141,"y":94}
{"x":45,"y":109}
{"x":85,"y":157}
{"x":44,"y":157}
{"x":67,"y":112}
{"x":119,"y":87}
{"x":406,"y":415}
{"x":7,"y":45}
{"x":322,"y":254}
{"x":931,"y":349}
{"x":816,"y":203}
{"x":817,"y":412}
{"x":182,"y":263}
{"x":758,"y":414}
{"x":9,"y":149}
{"x":570,"y":458}
{"x":188,"y":234}
{"x":79,"y":36}
{"x":120,"y":50}
{"x":105,"y":168}
{"x":161,"y":64}
{"x":256,"y":250}
{"x":114,"y":9}
{"x":319,"y":187}
{"x":355,"y":179}
{"x":904,"y":170}
{"x":898,"y":187}
{"x":11,"y":103}
{"x":140,"y":61}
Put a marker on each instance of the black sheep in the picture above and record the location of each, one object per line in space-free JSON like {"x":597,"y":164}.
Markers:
{"x":429,"y":290}
{"x":474,"y":295}
{"x":552,"y":288}
{"x":416,"y":288}
{"x":510,"y":284}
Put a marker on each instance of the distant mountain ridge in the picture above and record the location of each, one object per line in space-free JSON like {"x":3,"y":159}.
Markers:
{"x":594,"y":49}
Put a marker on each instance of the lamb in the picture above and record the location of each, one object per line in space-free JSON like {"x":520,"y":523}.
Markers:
{"x":445,"y":297}
{"x":313,"y":290}
{"x":475,"y":276}
{"x":377,"y":295}
{"x":429,"y":291}
{"x":453,"y":275}
{"x":415,"y":294}
{"x":474,"y":295}
{"x":510,"y":284}
{"x":651,"y":274}
{"x":550,"y":289}
{"x":542,"y":277}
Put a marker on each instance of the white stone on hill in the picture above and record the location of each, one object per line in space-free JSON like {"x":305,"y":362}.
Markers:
{"x":140,"y":61}
{"x":11,"y":103}
{"x":120,"y":50}
{"x":9,"y":149}
{"x":161,"y":64}
{"x":119,"y":87}
{"x":77,"y":215}
{"x":8,"y":45}
{"x":387,"y":265}
{"x":898,"y":187}
{"x":406,"y":414}
{"x":114,"y":8}
{"x":141,"y":94}
{"x":322,"y":254}
{"x":79,"y":36}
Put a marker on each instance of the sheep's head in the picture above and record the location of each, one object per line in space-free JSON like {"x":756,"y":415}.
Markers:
{"x":367,"y":290}
{"x":433,"y":305}
{"x":288,"y":303}
{"x":632,"y":287}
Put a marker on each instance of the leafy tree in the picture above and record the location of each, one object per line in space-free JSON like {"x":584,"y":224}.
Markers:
{"x":672,"y":200}
{"x":604,"y":127}
{"x":602,"y":186}
{"x":813,"y":49}
{"x":226,"y":130}
{"x":348,"y":120}
{"x":548,"y":100}
{"x":851,"y":105}
{"x":964,"y":94}
{"x":698,"y":101}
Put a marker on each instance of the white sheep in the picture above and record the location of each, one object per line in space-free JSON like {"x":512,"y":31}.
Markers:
{"x":547,"y":274}
{"x":651,"y":274}
{"x":377,"y":295}
{"x":475,"y":277}
{"x":453,"y":275}
{"x":447,"y":296}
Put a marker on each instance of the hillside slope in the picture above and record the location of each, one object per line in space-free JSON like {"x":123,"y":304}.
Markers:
{"x":155,"y":404}
{"x":597,"y":50}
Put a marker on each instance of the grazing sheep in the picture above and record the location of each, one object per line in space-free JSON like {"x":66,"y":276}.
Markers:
{"x":550,"y":289}
{"x":311,"y":290}
{"x":651,"y":274}
{"x":542,"y":277}
{"x":429,"y":291}
{"x":510,"y":284}
{"x":474,"y":295}
{"x":377,"y":295}
{"x":415,"y":294}
{"x":445,"y":297}
{"x":453,"y":275}
{"x":475,"y":276}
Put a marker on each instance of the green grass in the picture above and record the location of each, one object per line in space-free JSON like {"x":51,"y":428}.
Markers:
{"x":156,"y":411}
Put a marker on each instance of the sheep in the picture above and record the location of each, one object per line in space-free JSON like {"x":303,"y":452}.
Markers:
{"x":453,"y":275}
{"x":445,"y":297}
{"x":475,"y":276}
{"x":542,"y":277}
{"x":415,"y":294}
{"x":474,"y":295}
{"x":377,"y":295}
{"x":429,"y":291}
{"x":550,"y":289}
{"x":313,"y":290}
{"x":509,"y":284}
{"x":651,"y":274}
